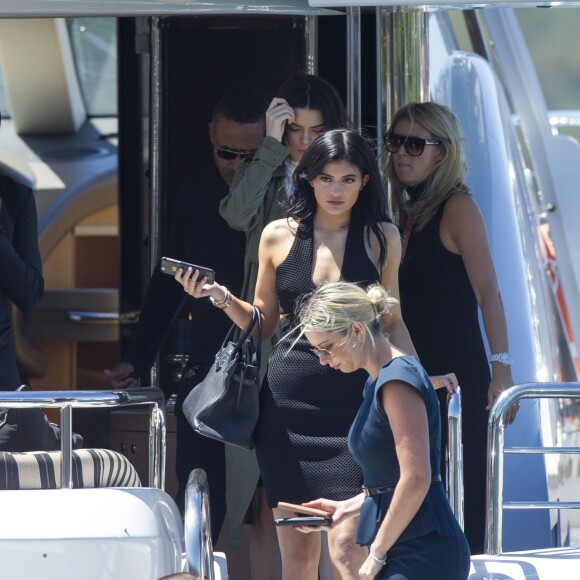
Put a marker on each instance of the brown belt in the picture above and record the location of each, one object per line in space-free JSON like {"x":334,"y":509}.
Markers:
{"x":369,"y":491}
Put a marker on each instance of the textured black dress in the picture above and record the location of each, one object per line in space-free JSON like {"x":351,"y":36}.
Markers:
{"x":441,"y":313}
{"x":306,"y":408}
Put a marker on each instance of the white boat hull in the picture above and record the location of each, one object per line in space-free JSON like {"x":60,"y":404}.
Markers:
{"x":93,"y":534}
{"x":551,"y":564}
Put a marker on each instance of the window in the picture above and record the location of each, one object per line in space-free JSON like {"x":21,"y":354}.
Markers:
{"x":4,"y":107}
{"x":94,"y":44}
{"x":552,"y":38}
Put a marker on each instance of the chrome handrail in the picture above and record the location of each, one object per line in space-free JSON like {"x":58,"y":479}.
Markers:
{"x":455,"y":457}
{"x":198,"y":544}
{"x":564,"y":118}
{"x":496,"y":451}
{"x":67,"y":400}
{"x":91,"y":317}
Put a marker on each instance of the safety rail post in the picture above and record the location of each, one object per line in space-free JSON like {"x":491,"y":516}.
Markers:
{"x":197,"y":529}
{"x":496,"y":451}
{"x":455,"y":456}
{"x":66,"y":447}
{"x":157,"y":445}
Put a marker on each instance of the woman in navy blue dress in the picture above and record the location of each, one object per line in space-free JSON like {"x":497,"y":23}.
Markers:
{"x":404,"y":517}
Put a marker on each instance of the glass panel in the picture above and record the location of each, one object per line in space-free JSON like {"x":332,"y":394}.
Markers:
{"x":4,"y":108}
{"x":94,"y":43}
{"x":552,"y":39}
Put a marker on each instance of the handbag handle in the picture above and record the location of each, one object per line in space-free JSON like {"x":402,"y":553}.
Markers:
{"x":258,"y":340}
{"x":256,"y":318}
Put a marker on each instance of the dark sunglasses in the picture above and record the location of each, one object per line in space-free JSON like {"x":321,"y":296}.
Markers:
{"x":414,"y":146}
{"x":230,"y":154}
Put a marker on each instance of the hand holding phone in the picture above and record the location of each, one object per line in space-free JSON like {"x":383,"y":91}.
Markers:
{"x":170,"y":266}
{"x":301,"y":509}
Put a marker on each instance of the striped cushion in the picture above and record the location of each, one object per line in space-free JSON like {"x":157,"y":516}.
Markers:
{"x":90,"y":468}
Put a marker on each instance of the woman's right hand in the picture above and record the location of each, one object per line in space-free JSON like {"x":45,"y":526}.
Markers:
{"x":340,"y":510}
{"x":197,"y":287}
{"x":328,"y":505}
{"x":278,"y":114}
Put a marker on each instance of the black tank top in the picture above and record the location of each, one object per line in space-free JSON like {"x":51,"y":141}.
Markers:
{"x":433,"y":281}
{"x":440,"y":308}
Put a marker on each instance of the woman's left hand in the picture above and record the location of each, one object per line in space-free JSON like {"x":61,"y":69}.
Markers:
{"x":448,"y":381}
{"x":196,"y":286}
{"x":370,"y":569}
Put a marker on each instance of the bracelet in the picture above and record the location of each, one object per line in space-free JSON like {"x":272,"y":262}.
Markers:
{"x":382,"y":561}
{"x":224,"y":302}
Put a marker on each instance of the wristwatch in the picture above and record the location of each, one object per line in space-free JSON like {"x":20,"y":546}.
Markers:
{"x":503,"y":358}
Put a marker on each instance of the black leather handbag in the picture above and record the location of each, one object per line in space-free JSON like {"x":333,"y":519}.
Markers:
{"x":225,"y":405}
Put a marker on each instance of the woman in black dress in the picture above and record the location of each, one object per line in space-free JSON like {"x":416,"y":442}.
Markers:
{"x":446,"y":273}
{"x":337,"y":229}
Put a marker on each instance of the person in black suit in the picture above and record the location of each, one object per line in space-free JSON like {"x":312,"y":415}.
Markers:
{"x":198,"y":234}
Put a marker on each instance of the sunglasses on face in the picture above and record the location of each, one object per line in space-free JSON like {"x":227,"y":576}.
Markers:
{"x":230,"y":154}
{"x":414,"y":146}
{"x":323,"y":352}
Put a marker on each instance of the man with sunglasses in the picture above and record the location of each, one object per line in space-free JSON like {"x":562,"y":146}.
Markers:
{"x":235,"y":137}
{"x":199,"y":235}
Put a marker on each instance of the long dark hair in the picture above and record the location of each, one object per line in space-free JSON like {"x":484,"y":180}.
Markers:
{"x":315,"y":94}
{"x":370,"y":208}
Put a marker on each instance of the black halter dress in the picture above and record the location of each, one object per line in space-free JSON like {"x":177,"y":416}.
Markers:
{"x":306,"y":408}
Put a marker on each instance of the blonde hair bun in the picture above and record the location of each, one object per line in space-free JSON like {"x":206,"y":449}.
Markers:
{"x":380,"y":299}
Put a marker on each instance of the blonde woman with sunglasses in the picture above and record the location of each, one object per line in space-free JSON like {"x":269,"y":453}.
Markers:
{"x":446,"y":274}
{"x":404,"y":518}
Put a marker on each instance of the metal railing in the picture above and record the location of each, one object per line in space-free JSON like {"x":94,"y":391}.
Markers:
{"x":455,"y":456}
{"x":496,"y":451}
{"x":67,"y":400}
{"x":198,"y":544}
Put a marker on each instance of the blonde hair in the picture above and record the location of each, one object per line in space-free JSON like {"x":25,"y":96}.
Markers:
{"x":448,"y":174}
{"x":333,"y":307}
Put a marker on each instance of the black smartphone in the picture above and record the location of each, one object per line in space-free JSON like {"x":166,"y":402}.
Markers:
{"x":304,"y":521}
{"x":170,"y":266}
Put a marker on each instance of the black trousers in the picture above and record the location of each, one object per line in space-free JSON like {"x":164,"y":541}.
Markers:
{"x":195,"y":451}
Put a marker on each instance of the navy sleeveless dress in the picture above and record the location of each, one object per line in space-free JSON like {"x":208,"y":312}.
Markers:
{"x":441,"y":313}
{"x":432,"y":545}
{"x":306,"y":409}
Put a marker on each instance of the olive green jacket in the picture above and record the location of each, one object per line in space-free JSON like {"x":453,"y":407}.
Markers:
{"x":257,"y":197}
